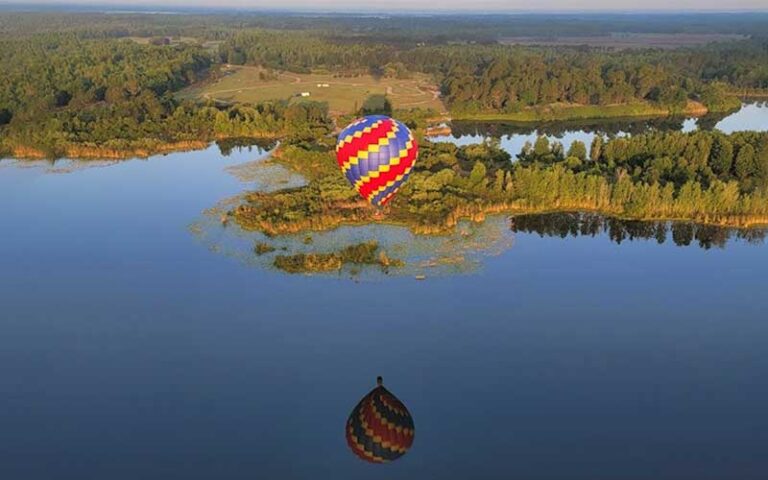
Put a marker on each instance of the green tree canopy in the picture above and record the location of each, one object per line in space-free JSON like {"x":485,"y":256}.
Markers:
{"x":376,"y":104}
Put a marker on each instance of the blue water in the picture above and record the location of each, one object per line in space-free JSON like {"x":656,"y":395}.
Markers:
{"x":130,"y":349}
{"x":752,"y":116}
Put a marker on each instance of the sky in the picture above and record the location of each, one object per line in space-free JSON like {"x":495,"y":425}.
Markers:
{"x":391,"y":6}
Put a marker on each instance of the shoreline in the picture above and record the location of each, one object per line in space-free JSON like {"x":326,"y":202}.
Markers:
{"x":586,"y":112}
{"x":530,"y":116}
{"x":750,"y":95}
{"x":478,"y":213}
{"x":104,"y":152}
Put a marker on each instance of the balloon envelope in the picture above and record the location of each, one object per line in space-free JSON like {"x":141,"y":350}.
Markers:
{"x":376,"y":154}
{"x":380,"y":429}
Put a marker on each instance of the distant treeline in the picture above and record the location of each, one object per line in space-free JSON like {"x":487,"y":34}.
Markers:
{"x":62,"y":95}
{"x":496,"y":78}
{"x":148,"y":124}
{"x":480,"y":78}
{"x":69,"y":80}
{"x":46,"y":72}
{"x":434,"y":28}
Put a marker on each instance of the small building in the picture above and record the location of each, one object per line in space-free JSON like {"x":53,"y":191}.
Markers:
{"x":322,"y":85}
{"x":304,"y":94}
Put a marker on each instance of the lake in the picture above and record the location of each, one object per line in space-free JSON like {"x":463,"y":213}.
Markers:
{"x":140,"y":338}
{"x":752,"y":116}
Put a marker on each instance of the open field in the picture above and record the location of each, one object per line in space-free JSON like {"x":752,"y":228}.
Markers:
{"x":210,"y":45}
{"x":173,"y":40}
{"x":343,"y":94}
{"x":621,"y":41}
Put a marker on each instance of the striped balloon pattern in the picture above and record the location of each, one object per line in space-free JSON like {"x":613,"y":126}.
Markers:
{"x":380,"y":428}
{"x":376,"y":153}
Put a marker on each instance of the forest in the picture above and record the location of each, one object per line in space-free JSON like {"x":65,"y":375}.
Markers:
{"x":63,"y":95}
{"x":84,"y":85}
{"x":489,"y":77}
{"x":109,"y":87}
{"x":396,"y":29}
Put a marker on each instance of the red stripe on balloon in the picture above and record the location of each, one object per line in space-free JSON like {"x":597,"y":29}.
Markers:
{"x":380,"y":429}
{"x":374,"y":183}
{"x":357,"y":145}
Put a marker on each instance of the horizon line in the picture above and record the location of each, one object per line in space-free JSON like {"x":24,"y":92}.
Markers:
{"x":166,"y":8}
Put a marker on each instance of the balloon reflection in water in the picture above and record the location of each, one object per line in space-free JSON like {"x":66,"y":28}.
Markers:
{"x":380,"y":429}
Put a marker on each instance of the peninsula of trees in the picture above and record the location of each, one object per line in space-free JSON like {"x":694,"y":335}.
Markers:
{"x":707,"y":177}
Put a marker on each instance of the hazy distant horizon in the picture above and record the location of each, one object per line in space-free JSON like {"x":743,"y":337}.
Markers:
{"x":414,"y":6}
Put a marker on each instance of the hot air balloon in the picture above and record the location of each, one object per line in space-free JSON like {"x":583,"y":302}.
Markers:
{"x":380,"y":429}
{"x":376,"y":154}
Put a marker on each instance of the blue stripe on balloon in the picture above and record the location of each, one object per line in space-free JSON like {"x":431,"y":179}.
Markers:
{"x":352,"y":174}
{"x":363,"y":439}
{"x":404,"y":420}
{"x":385,"y":155}
{"x":375,"y":160}
{"x":402,"y":135}
{"x":380,"y":196}
{"x":353,"y":128}
{"x":366,"y":122}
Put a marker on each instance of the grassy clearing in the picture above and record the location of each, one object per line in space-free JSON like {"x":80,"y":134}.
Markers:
{"x":174,"y":40}
{"x":211,"y":46}
{"x":343,"y":94}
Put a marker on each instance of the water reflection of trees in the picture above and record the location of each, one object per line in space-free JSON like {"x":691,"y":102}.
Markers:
{"x":227,"y":145}
{"x":558,"y":129}
{"x":681,"y":233}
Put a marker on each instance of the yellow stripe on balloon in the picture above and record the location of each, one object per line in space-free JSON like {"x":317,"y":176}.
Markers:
{"x":363,"y":154}
{"x":357,"y":134}
{"x":361,"y":449}
{"x":373,"y":194}
{"x":384,"y":168}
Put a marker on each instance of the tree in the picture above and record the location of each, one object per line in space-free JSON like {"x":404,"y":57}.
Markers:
{"x":721,"y":156}
{"x":541,"y":147}
{"x":376,"y":104}
{"x":5,"y":116}
{"x":236,"y":57}
{"x":61,"y":98}
{"x":762,"y":160}
{"x":745,"y":164}
{"x":578,"y":150}
{"x":477,"y":177}
{"x":596,"y":148}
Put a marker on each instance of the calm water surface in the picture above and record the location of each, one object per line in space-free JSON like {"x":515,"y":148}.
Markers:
{"x":752,"y":116}
{"x":135,"y":344}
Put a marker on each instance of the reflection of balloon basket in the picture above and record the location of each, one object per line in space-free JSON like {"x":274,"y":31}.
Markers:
{"x":380,"y":429}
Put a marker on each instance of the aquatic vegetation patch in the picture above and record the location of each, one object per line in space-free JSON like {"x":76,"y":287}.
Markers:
{"x":364,"y":253}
